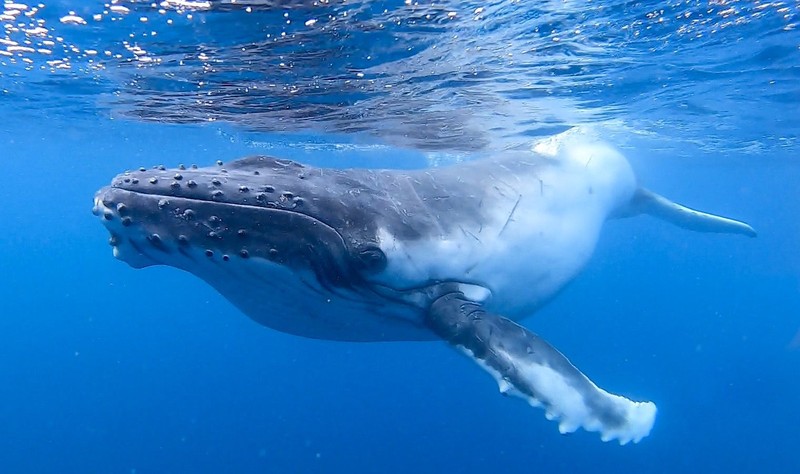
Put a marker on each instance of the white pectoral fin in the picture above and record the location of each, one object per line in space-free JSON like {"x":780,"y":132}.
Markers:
{"x":525,"y":365}
{"x":648,"y":202}
{"x":574,"y":401}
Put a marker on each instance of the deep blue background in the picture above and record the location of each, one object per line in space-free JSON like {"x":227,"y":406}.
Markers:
{"x":106,"y":369}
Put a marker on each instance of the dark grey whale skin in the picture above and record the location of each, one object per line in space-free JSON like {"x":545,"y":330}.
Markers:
{"x":319,"y":229}
{"x":302,"y":217}
{"x":327,"y":220}
{"x":354,"y":202}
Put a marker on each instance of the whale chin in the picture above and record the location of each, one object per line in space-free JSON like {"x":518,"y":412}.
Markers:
{"x":133,"y":257}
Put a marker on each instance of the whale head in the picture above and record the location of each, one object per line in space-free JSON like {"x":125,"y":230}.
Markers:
{"x":270,"y":235}
{"x":254,"y":208}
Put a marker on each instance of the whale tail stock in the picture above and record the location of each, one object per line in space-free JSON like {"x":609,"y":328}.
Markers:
{"x":648,"y":202}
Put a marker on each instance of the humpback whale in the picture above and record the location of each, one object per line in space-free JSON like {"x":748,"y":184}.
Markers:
{"x":460,"y":253}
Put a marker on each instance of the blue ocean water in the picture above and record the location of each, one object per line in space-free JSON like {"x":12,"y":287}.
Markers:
{"x":108,"y":369}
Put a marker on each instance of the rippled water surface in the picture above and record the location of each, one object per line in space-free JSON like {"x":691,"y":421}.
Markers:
{"x":449,"y":75}
{"x":107,"y":369}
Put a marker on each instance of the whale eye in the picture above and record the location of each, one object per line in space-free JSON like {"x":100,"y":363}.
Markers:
{"x":371,"y":258}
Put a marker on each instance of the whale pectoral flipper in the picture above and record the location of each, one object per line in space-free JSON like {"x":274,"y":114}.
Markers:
{"x":648,"y":202}
{"x":527,"y":366}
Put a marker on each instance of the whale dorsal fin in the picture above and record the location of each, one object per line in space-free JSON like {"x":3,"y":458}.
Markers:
{"x":648,"y":202}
